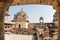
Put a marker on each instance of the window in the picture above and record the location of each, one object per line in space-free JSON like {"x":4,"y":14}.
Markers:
{"x":19,"y":26}
{"x":8,"y":27}
{"x":5,"y":30}
{"x":5,"y":26}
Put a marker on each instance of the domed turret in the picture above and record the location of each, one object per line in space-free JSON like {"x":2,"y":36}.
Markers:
{"x":41,"y":20}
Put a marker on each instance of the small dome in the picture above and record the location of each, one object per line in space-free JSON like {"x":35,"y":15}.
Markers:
{"x":41,"y":18}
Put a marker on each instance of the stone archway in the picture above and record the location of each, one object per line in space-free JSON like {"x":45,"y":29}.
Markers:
{"x":5,"y":4}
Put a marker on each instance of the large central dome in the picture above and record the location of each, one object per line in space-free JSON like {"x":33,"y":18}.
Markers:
{"x":21,"y":15}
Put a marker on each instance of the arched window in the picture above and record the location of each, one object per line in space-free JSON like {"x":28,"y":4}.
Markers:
{"x":19,"y":26}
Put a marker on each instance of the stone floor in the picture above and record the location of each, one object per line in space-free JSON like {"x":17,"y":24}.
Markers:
{"x":18,"y":37}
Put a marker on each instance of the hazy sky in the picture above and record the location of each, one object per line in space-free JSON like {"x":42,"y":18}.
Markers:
{"x":34,"y":12}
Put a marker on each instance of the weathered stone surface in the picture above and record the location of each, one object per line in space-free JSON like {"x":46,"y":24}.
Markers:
{"x":3,"y":7}
{"x":1,"y":26}
{"x":19,"y":37}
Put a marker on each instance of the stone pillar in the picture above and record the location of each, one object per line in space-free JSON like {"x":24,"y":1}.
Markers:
{"x":3,"y":8}
{"x":2,"y":21}
{"x":58,"y":14}
{"x":56,"y":5}
{"x":2,"y":26}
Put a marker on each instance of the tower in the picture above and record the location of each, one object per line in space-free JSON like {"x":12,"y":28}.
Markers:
{"x":21,"y":19}
{"x":41,"y":21}
{"x":40,"y":33}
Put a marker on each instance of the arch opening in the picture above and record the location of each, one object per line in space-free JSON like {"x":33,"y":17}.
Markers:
{"x":33,"y":8}
{"x":54,"y":3}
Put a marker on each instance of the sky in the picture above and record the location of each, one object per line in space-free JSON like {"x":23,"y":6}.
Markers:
{"x":34,"y":12}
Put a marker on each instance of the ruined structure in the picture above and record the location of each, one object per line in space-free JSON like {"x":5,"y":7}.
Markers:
{"x":5,"y":4}
{"x":41,"y":31}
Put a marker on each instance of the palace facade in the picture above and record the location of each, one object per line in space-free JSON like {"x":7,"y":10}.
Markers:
{"x":42,"y":31}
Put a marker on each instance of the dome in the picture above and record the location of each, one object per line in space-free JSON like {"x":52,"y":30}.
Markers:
{"x":21,"y":15}
{"x":41,"y":18}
